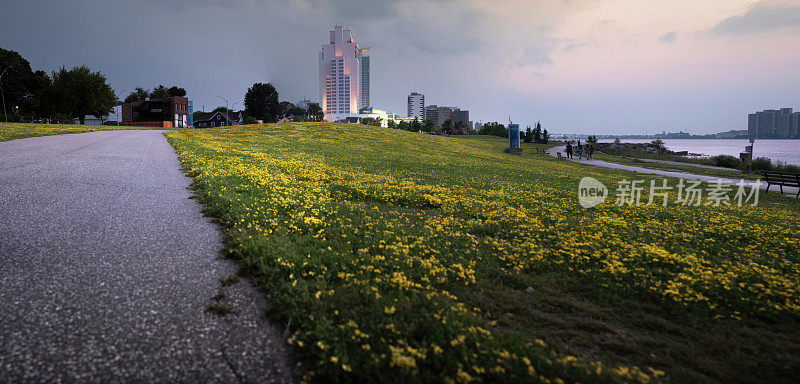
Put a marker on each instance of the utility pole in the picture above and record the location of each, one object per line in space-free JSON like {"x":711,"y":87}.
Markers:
{"x":1,"y":92}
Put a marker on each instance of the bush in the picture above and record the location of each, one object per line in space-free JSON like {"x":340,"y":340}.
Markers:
{"x":762,"y":164}
{"x":726,"y":161}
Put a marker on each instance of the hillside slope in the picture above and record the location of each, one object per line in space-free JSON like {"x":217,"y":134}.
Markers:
{"x":402,"y":257}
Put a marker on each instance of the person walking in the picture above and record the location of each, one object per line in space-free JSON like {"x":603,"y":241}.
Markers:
{"x":569,"y":150}
{"x":580,"y":152}
{"x":590,"y":152}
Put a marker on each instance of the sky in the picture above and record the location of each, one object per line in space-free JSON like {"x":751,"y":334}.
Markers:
{"x":578,"y":66}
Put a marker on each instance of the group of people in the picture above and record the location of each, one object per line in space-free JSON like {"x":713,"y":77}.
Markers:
{"x":588,"y":149}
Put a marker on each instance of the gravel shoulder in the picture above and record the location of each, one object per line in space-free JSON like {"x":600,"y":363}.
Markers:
{"x":107,"y":267}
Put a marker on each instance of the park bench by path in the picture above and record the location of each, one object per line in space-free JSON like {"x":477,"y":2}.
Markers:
{"x":782,"y":179}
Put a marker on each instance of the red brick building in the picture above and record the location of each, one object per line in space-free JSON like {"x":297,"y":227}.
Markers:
{"x":167,"y":112}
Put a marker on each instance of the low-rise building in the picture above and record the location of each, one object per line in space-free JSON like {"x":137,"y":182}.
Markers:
{"x":166,"y":112}
{"x":217,"y":119}
{"x":92,"y":120}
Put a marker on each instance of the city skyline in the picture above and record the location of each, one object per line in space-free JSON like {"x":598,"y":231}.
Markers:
{"x":626,"y":67}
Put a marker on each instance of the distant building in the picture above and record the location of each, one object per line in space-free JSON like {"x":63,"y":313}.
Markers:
{"x":92,"y":120}
{"x":460,"y":117}
{"x":441,"y":114}
{"x":217,"y":119}
{"x":774,"y":124}
{"x":365,"y":78}
{"x":166,"y":112}
{"x":304,"y":103}
{"x":416,"y":106}
{"x":340,"y":75}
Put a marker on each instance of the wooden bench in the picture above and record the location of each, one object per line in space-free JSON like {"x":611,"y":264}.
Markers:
{"x":560,"y":157}
{"x":782,"y":179}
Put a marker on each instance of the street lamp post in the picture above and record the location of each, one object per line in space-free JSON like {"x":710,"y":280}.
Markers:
{"x":1,"y":92}
{"x":232,"y":106}
{"x":226,"y":109}
{"x":120,"y":108}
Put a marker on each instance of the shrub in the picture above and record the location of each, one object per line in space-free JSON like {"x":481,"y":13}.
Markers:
{"x":762,"y":164}
{"x":726,"y":161}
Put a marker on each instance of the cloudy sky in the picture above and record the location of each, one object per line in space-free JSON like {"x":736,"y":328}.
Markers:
{"x":614,"y":66}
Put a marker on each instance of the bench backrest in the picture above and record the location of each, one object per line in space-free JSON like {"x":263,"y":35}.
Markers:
{"x":782,"y":178}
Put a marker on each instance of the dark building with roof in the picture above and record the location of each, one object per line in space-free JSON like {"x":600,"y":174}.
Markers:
{"x":167,"y":112}
{"x":217,"y":119}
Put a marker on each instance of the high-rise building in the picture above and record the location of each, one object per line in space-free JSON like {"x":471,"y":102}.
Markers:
{"x":416,"y":106}
{"x":774,"y":124}
{"x":365,"y":101}
{"x":340,"y":75}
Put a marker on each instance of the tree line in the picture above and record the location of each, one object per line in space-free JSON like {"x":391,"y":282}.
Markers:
{"x":261,"y":102}
{"x":60,"y":96}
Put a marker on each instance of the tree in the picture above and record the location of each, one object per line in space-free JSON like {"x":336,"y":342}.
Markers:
{"x":591,"y":139}
{"x":79,"y":92}
{"x":315,"y":112}
{"x":39,"y":90}
{"x":26,"y":93}
{"x":391,"y":124}
{"x":494,"y":129}
{"x":528,"y":135}
{"x":261,"y":102}
{"x":461,"y":128}
{"x":139,"y":94}
{"x":175,"y":91}
{"x":540,"y":136}
{"x":428,"y":126}
{"x":447,"y":126}
{"x":537,"y":133}
{"x":415,"y":126}
{"x":284,"y":108}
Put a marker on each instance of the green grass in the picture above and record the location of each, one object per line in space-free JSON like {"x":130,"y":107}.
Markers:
{"x":402,"y":257}
{"x":13,"y":131}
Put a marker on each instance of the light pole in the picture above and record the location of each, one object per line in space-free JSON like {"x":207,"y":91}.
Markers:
{"x":120,"y":107}
{"x":226,"y":108}
{"x":233,"y":106}
{"x":1,"y":92}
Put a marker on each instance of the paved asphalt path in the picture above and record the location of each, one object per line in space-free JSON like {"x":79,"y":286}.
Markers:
{"x":107,"y":267}
{"x":788,"y":191}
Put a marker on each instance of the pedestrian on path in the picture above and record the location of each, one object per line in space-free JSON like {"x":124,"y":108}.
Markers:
{"x":569,"y":150}
{"x":580,"y":152}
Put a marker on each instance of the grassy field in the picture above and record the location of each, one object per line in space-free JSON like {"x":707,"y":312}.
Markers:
{"x":401,"y":257}
{"x":12,"y":131}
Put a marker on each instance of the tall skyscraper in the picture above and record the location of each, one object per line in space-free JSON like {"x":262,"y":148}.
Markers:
{"x":416,"y":106}
{"x":340,"y":75}
{"x":365,"y":102}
